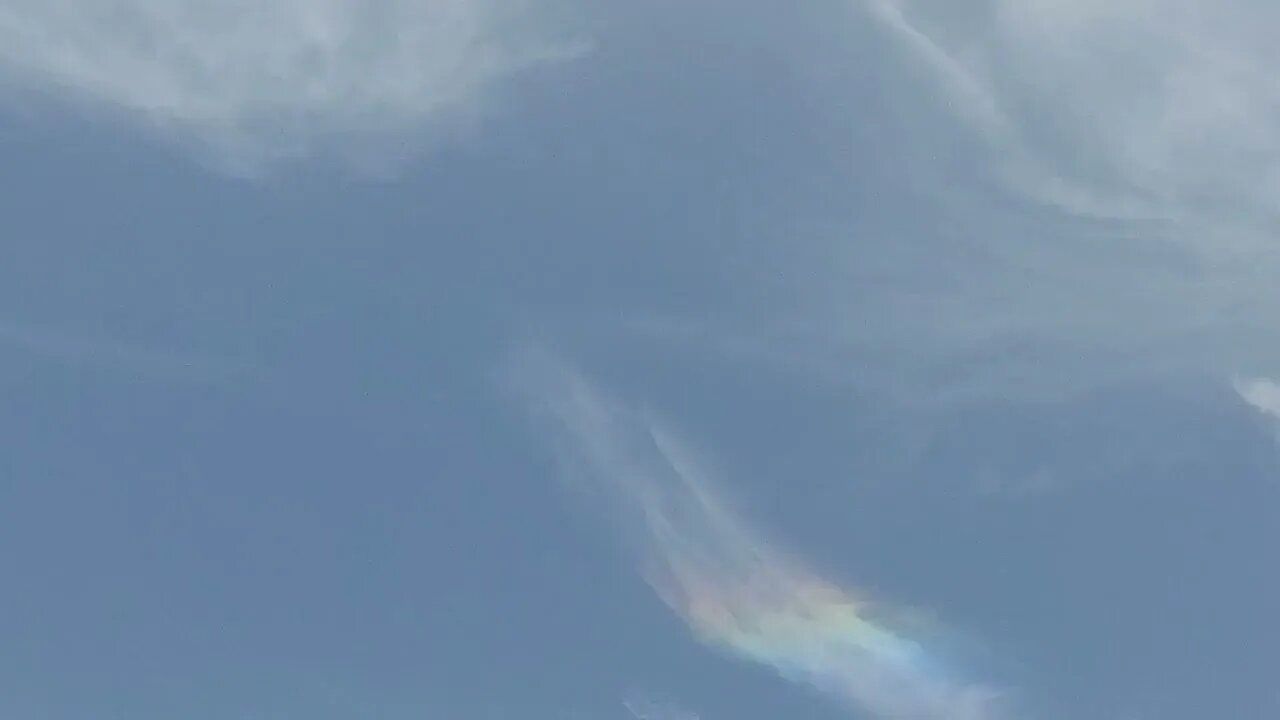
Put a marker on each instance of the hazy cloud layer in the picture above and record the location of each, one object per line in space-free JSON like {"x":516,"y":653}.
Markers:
{"x":1095,"y":200}
{"x":254,"y":82}
{"x":1160,"y":119}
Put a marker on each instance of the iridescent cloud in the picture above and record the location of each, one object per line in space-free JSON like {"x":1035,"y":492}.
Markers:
{"x":737,"y":592}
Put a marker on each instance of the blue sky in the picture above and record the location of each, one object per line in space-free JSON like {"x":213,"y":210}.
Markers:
{"x":475,"y":360}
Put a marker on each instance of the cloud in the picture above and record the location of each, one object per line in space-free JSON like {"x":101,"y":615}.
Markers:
{"x":251,"y":83}
{"x":736,"y":591}
{"x":1168,"y":105}
{"x":643,"y":708}
{"x":1262,"y":394}
{"x":1086,"y":194}
{"x":1150,"y":133}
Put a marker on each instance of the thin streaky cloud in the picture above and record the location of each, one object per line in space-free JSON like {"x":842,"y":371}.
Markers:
{"x":969,"y":95}
{"x":1170,"y":104}
{"x":113,"y":355}
{"x":644,"y":708}
{"x":736,"y":591}
{"x":1111,"y":220}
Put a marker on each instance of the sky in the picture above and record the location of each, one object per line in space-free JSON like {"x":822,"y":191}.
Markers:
{"x":552,"y":360}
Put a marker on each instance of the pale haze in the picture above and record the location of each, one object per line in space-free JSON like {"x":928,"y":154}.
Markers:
{"x":474,"y":360}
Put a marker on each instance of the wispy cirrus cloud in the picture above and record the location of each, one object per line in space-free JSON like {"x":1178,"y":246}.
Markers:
{"x":1134,"y":108}
{"x":252,"y":83}
{"x":1112,"y":215}
{"x":1160,"y":117}
{"x":111,"y":354}
{"x":736,"y":591}
{"x":645,"y":708}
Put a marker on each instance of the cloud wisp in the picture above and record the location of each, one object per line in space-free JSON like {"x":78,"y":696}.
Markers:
{"x":1085,"y":196}
{"x":1146,"y":138}
{"x":252,"y":83}
{"x":643,"y":708}
{"x":1123,"y":109}
{"x":112,"y":355}
{"x":736,"y":591}
{"x":1262,"y":395}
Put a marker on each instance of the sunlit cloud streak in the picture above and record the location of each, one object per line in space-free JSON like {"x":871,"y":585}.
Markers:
{"x":736,"y":591}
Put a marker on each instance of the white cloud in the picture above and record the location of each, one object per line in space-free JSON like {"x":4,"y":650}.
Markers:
{"x":1262,"y":394}
{"x":256,"y":82}
{"x":1167,"y":106}
{"x":1136,"y":144}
